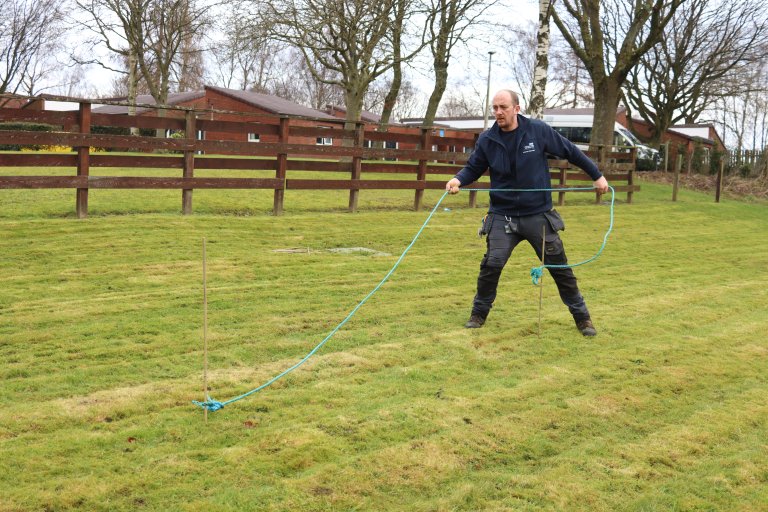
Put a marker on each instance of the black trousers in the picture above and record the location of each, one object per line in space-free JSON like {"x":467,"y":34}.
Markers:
{"x":503,"y":235}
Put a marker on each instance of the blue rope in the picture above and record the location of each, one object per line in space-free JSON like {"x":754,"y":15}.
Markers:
{"x":536,"y":272}
{"x":214,"y":405}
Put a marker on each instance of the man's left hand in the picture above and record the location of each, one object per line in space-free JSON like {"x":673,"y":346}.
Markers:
{"x":601,"y":184}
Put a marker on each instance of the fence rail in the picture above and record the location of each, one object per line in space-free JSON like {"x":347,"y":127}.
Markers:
{"x":286,"y":144}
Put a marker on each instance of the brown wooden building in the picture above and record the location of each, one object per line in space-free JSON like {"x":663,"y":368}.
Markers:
{"x":679,"y":138}
{"x":22,"y":102}
{"x":218,"y":103}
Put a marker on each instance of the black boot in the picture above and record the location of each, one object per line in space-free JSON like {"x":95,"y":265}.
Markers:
{"x":475,"y":322}
{"x":585,"y":327}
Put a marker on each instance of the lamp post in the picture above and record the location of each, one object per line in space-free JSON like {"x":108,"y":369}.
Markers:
{"x":487,"y":92}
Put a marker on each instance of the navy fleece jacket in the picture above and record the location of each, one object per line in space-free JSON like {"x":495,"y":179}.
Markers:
{"x":535,"y":140}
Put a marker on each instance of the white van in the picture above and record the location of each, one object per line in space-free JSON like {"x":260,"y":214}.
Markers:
{"x":578,"y":129}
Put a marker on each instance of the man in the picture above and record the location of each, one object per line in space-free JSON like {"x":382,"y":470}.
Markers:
{"x":515,"y":150}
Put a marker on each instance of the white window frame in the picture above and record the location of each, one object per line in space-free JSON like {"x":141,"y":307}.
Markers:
{"x":324,"y":141}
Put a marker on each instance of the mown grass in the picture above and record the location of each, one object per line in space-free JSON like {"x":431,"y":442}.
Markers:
{"x":404,"y":409}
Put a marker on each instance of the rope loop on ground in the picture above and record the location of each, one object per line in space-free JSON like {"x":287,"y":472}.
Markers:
{"x":536,"y":273}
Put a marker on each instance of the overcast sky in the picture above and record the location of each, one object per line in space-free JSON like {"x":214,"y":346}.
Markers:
{"x":468,"y":69}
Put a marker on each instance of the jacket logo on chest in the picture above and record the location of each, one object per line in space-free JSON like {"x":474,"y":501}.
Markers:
{"x":529,"y":148}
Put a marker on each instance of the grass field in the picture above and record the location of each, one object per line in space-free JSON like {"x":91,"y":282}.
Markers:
{"x":404,"y":409}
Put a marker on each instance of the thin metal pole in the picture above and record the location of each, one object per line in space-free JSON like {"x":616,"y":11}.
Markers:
{"x":541,"y":281}
{"x":205,"y":335}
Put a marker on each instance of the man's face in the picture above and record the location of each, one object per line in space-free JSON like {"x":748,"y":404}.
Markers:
{"x":505,"y":111}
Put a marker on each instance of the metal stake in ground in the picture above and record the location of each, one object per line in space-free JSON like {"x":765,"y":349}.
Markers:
{"x":205,"y":335}
{"x":541,"y":280}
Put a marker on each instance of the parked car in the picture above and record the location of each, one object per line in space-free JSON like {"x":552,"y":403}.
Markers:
{"x":578,"y":129}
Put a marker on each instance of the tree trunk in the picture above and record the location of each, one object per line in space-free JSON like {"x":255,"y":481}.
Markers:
{"x":606,"y":104}
{"x":397,"y":67}
{"x":353,"y":101}
{"x":133,"y":80}
{"x":441,"y":81}
{"x":539,"y":85}
{"x":390,"y":100}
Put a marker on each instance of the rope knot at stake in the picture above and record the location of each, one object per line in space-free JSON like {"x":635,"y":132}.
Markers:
{"x":536,"y":273}
{"x":211,"y":405}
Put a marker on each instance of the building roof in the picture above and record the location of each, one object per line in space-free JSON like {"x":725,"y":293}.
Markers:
{"x":174,"y":98}
{"x":476,"y":122}
{"x":10,"y":100}
{"x":465,"y":122}
{"x":270,"y":103}
{"x":267,"y":102}
{"x":706,"y":132}
{"x":365,"y":116}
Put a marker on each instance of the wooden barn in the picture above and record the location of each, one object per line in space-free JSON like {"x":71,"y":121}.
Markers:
{"x":218,"y":103}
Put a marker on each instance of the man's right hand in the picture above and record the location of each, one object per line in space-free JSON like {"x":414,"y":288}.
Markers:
{"x":453,"y":186}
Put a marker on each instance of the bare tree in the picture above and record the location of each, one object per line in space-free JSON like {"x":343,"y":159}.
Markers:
{"x":153,"y":32}
{"x":520,"y":46}
{"x":735,"y":117}
{"x":297,"y":81}
{"x":448,"y":23}
{"x":401,"y":9}
{"x":28,"y":32}
{"x":459,"y":104}
{"x":377,"y":93}
{"x":189,"y":71}
{"x":567,"y":82}
{"x":349,"y":38}
{"x":74,"y":83}
{"x":247,"y":58}
{"x":410,"y":101}
{"x":610,"y":37}
{"x":110,"y":22}
{"x":539,"y":81}
{"x":572,"y":86}
{"x":742,"y":116}
{"x":704,"y":54}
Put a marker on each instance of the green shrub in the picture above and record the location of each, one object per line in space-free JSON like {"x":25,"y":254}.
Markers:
{"x":745,"y":170}
{"x":23,"y":127}
{"x":715,"y":160}
{"x":697,"y":158}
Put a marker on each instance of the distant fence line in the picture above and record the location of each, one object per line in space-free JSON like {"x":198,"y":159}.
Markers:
{"x":423,"y":152}
{"x":751,"y":157}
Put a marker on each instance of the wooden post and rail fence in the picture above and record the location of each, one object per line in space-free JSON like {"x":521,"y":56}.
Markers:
{"x":426,"y":156}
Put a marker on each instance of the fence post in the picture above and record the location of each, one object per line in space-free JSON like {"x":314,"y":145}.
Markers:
{"x":676,"y":179}
{"x":563,"y":178}
{"x":601,"y":162}
{"x":189,"y":161}
{"x":357,"y":165}
{"x":719,"y":182}
{"x":631,"y":176}
{"x":473,"y":198}
{"x":421,"y":175}
{"x":281,"y":167}
{"x":83,"y":159}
